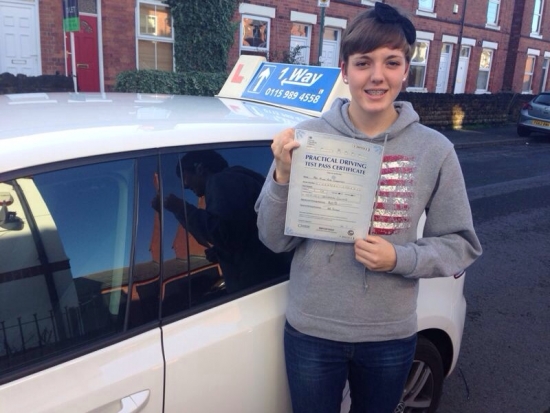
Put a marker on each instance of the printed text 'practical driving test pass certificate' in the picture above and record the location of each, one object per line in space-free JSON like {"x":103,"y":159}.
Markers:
{"x":333,"y":185}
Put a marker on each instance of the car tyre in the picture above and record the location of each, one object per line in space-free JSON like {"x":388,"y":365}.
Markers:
{"x":523,"y":131}
{"x":425,"y":382}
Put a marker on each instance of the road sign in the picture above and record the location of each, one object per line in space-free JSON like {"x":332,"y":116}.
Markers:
{"x":323,"y":3}
{"x":305,"y":87}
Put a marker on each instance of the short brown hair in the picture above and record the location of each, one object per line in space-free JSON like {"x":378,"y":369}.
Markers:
{"x":366,"y":33}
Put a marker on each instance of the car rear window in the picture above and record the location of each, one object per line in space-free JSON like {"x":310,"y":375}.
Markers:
{"x":543,"y":99}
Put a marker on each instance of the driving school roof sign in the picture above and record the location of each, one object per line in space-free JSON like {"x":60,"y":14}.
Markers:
{"x":310,"y":89}
{"x":305,"y":87}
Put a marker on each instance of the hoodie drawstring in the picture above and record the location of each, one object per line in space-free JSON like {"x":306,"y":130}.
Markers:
{"x":332,"y":251}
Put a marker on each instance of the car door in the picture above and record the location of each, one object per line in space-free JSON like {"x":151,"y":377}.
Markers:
{"x":75,"y":334}
{"x":222,"y":338}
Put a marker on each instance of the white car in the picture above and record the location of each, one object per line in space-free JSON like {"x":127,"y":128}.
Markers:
{"x":108,"y":304}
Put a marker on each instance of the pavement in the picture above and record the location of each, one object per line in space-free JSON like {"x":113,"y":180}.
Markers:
{"x":488,"y":136}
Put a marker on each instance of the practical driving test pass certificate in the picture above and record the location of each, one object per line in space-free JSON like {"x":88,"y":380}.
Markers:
{"x":333,"y":186}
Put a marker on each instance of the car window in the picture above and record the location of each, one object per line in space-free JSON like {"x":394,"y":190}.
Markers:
{"x":543,"y":99}
{"x":210,"y":242}
{"x":65,"y":244}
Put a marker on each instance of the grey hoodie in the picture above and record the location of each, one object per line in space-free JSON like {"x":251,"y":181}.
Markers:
{"x":333,"y":296}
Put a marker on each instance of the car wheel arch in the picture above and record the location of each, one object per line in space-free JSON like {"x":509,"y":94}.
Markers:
{"x":444,"y":345}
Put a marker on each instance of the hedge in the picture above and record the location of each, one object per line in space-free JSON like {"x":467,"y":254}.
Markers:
{"x":157,"y":81}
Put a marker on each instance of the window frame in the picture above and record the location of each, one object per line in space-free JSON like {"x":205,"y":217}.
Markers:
{"x":493,"y":24}
{"x":530,"y":75}
{"x":429,"y":9}
{"x":485,"y":70}
{"x":537,"y":19}
{"x":545,"y":69}
{"x":152,"y":38}
{"x":243,"y":48}
{"x":412,"y":64}
{"x":426,"y":11}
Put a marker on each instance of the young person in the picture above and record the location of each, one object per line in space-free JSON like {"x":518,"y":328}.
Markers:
{"x":352,"y":307}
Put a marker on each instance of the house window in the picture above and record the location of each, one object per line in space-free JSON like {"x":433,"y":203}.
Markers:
{"x":528,"y":75}
{"x":300,"y":43}
{"x":426,"y":5}
{"x":255,"y":33}
{"x":545,"y":67}
{"x":419,"y":61}
{"x":155,"y":37}
{"x":493,"y":9}
{"x":537,"y":17}
{"x":484,"y":71}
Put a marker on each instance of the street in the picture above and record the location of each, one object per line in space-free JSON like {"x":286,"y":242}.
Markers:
{"x":504,"y":365}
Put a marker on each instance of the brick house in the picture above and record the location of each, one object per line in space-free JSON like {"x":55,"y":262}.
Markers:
{"x":475,"y":46}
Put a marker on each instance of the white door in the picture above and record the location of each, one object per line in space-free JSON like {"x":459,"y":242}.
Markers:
{"x":127,"y":375}
{"x":462,"y":71}
{"x":236,"y":351}
{"x":18,"y":34}
{"x":331,"y":47}
{"x":443,"y":72}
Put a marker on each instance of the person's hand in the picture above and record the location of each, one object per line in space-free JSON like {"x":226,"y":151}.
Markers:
{"x":282,"y":147}
{"x":173,"y":204}
{"x":375,"y":253}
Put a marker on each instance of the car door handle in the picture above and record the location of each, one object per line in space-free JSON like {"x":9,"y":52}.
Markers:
{"x":135,"y":402}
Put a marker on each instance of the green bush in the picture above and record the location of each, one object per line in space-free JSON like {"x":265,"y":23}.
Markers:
{"x":157,"y":81}
{"x":204,"y":33}
{"x":200,"y":52}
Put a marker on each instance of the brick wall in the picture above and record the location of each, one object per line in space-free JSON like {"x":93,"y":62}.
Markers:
{"x":119,"y":45}
{"x":455,"y":111}
{"x":51,"y":37}
{"x":506,"y":72}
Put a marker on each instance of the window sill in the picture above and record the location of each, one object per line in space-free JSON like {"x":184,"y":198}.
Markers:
{"x":367,"y":2}
{"x":153,"y":38}
{"x":536,"y":35}
{"x":424,"y":13}
{"x":526,"y":92}
{"x":254,"y":49}
{"x":482,"y":92}
{"x":492,"y":26}
{"x":417,"y":89}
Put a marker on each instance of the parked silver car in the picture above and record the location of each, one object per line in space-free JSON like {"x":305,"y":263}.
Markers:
{"x":535,"y":115}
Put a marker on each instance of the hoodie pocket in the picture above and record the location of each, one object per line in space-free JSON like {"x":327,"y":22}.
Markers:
{"x":313,"y":253}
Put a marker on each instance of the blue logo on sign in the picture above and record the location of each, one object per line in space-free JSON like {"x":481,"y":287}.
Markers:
{"x":306,"y":87}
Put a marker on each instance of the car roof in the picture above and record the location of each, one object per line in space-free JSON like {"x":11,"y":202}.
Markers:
{"x":40,"y":128}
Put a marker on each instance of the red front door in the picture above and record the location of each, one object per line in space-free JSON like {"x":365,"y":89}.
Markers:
{"x":87,"y":63}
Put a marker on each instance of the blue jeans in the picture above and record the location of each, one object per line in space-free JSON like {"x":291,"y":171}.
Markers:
{"x":317,"y":370}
